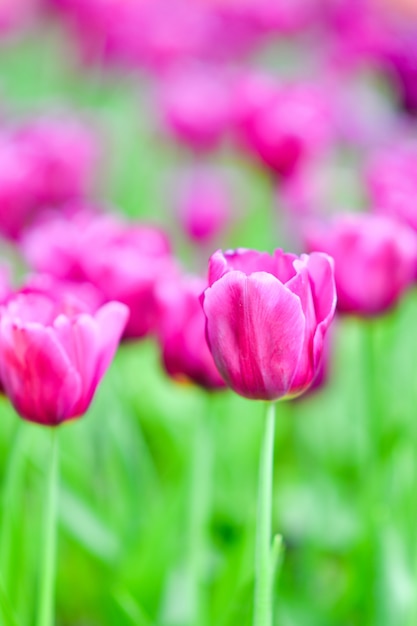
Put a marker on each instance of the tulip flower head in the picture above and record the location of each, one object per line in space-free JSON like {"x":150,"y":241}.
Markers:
{"x":51,"y":360}
{"x":204,"y":204}
{"x":391,"y":179}
{"x":283,"y":125}
{"x":266,"y":319}
{"x":375,"y":259}
{"x":196,"y":107}
{"x":123,"y":261}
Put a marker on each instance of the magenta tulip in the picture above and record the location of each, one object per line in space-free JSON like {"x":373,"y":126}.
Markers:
{"x":63,"y":153}
{"x":196,"y":106}
{"x":204,"y":204}
{"x":267,"y":316}
{"x":282,"y":126}
{"x":52,"y":361}
{"x":181,"y":332}
{"x":375,"y":259}
{"x":391,"y":178}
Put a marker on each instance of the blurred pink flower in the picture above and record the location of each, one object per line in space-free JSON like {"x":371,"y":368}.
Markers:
{"x":16,"y":15}
{"x":282,"y":125}
{"x":375,"y":259}
{"x":74,"y":296}
{"x":63,"y":153}
{"x":43,"y":164}
{"x":195,"y":104}
{"x":17,"y":187}
{"x":267,"y":316}
{"x":123,"y":261}
{"x":51,"y":362}
{"x":204,"y":204}
{"x":181,"y":331}
{"x":391,"y":178}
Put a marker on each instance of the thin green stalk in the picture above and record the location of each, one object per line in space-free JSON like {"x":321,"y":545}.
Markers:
{"x":201,"y":478}
{"x":11,"y":493}
{"x":264,"y":566}
{"x":372,"y":474}
{"x":46,"y":614}
{"x":6,"y":609}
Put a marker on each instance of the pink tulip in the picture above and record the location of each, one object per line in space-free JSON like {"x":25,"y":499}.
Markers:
{"x":52,"y":361}
{"x":391,"y":179}
{"x":17,"y":187}
{"x":181,"y":332}
{"x":63,"y":153}
{"x":204,"y":204}
{"x":16,"y":15}
{"x":267,"y":316}
{"x":282,"y":126}
{"x":375,"y":259}
{"x":74,"y":296}
{"x":196,"y":106}
{"x":123,"y":261}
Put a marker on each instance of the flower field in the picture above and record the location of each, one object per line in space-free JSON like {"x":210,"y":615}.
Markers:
{"x":207,"y":313}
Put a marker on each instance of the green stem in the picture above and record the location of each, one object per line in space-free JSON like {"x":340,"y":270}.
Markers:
{"x":48,"y":559}
{"x":6,"y":609}
{"x":199,"y":509}
{"x":12,"y":492}
{"x":264,"y":569}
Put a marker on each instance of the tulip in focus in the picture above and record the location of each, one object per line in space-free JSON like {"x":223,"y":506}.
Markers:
{"x":267,"y":316}
{"x":375,"y":260}
{"x":52,"y":361}
{"x":181,"y":332}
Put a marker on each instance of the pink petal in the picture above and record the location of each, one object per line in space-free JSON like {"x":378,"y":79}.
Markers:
{"x":37,"y":374}
{"x":255,"y":329}
{"x":111,"y":320}
{"x":79,"y":337}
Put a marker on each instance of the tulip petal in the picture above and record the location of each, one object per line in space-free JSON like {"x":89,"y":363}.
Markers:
{"x":79,"y":337}
{"x":300,"y":285}
{"x":111,"y":320}
{"x":255,"y":329}
{"x":37,"y":374}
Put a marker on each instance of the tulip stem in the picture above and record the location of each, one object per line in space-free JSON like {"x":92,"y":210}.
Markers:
{"x":12,"y":490}
{"x":265,"y":555}
{"x":48,"y":557}
{"x":199,"y":510}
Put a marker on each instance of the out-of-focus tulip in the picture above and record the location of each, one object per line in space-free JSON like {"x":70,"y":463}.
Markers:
{"x":17,"y":14}
{"x":181,"y":331}
{"x":63,"y":153}
{"x":204,"y":204}
{"x":123,"y":261}
{"x":17,"y":188}
{"x":391,"y":179}
{"x":267,"y":316}
{"x":282,"y":125}
{"x":375,"y":259}
{"x":196,"y":106}
{"x":51,"y":362}
{"x":43,"y":164}
{"x":74,"y":296}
